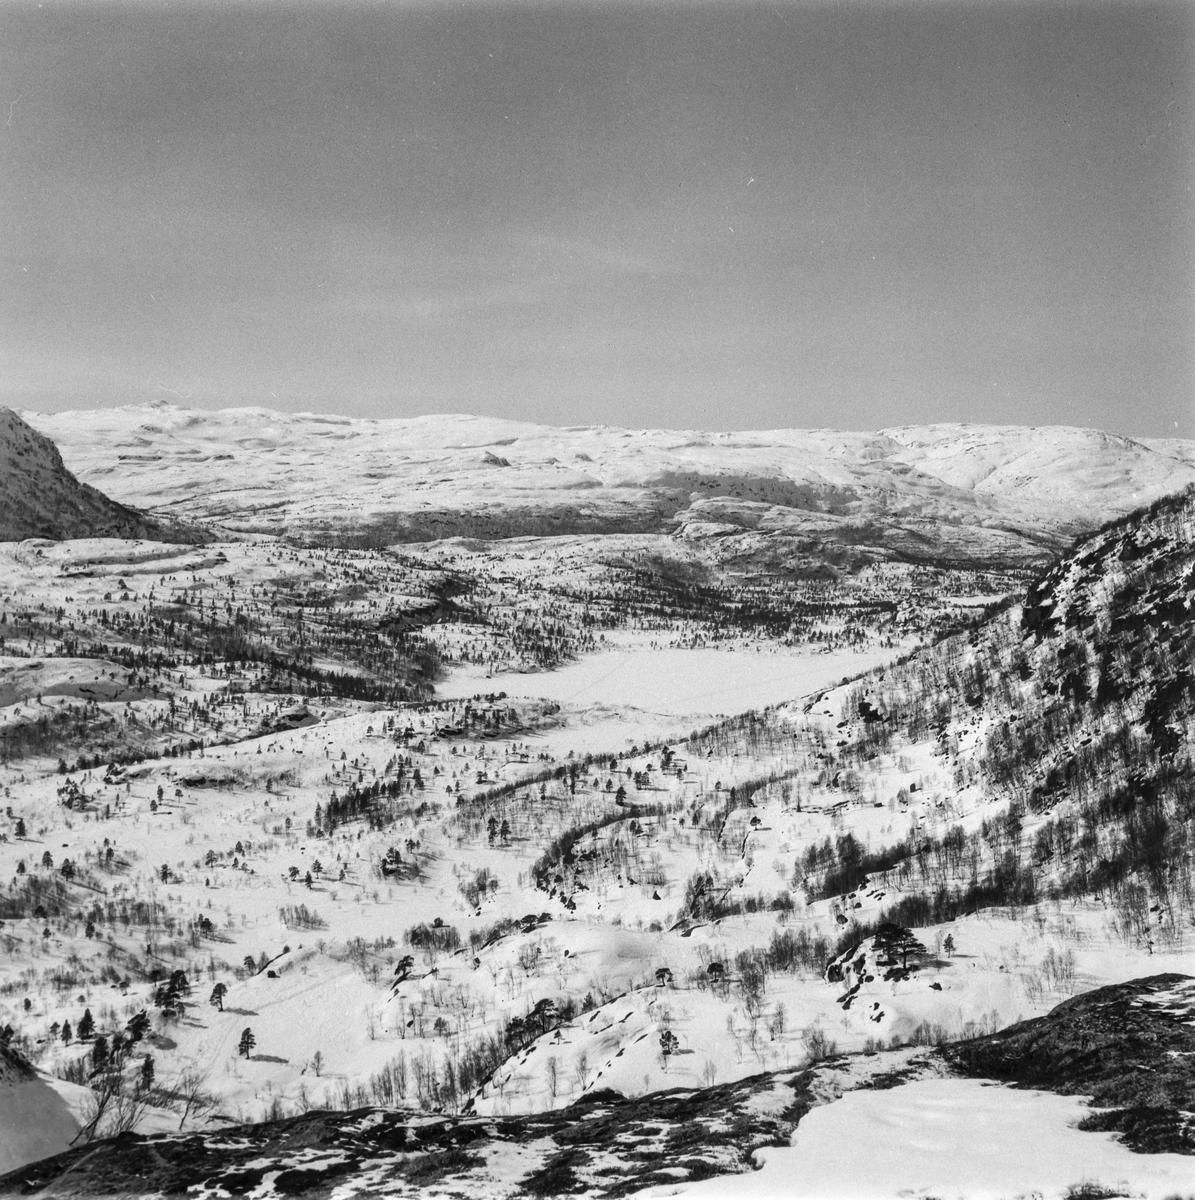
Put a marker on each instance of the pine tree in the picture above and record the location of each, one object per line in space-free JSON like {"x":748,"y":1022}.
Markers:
{"x":86,"y":1026}
{"x":247,"y":1042}
{"x":170,"y":995}
{"x":66,"y":1032}
{"x":146,"y":1078}
{"x":137,"y":1027}
{"x":217,"y":996}
{"x":894,"y":940}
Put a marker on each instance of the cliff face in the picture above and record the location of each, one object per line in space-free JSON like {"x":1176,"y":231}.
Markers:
{"x":39,"y":497}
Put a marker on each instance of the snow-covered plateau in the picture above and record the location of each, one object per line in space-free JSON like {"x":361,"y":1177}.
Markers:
{"x":466,"y":808}
{"x":972,"y":492}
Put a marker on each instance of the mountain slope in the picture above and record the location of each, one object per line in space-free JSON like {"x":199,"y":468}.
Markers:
{"x":1065,"y":725}
{"x":961,"y":492}
{"x":40,"y":498}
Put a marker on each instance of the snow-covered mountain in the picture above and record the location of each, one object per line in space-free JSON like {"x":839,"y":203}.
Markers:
{"x":948,"y":491}
{"x":39,"y":497}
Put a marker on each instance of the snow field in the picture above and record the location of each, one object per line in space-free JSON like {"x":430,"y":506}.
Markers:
{"x":331,"y":995}
{"x":323,"y":1002}
{"x":955,"y":1139}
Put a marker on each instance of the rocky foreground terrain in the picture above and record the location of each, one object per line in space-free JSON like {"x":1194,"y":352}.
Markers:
{"x":1126,"y":1045}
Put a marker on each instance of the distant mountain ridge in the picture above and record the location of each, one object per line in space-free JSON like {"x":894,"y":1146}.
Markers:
{"x":968,"y":492}
{"x":40,"y":498}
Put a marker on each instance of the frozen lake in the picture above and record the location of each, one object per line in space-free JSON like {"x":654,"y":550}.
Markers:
{"x":676,"y":683}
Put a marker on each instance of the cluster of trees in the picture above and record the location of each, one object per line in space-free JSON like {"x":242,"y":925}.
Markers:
{"x":482,"y":884}
{"x":171,"y":995}
{"x":560,"y":855}
{"x":373,"y":802}
{"x":266,"y":641}
{"x":299,"y":916}
{"x":122,"y":1087}
{"x":443,"y":1082}
{"x":436,"y":937}
{"x":1140,"y":830}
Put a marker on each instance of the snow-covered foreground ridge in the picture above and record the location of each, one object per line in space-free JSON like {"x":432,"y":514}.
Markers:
{"x":916,"y":1119}
{"x":950,"y":490}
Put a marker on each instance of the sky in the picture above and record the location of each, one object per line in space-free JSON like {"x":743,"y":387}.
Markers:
{"x":717,"y":215}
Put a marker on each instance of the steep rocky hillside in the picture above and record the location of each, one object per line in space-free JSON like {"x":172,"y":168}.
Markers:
{"x":961,"y":493}
{"x":1112,"y":625}
{"x":40,"y":498}
{"x":1069,"y":719}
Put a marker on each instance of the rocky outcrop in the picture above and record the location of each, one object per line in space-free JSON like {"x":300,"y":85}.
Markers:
{"x":1129,"y":1046}
{"x":40,"y":498}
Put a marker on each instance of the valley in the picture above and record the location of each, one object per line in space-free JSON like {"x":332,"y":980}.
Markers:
{"x":732,"y":809}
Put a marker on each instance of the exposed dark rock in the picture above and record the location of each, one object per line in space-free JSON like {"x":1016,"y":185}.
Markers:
{"x":40,"y":498}
{"x":1130,"y":1047}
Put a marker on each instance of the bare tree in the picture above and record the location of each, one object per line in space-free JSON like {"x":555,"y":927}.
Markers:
{"x":190,"y":1090}
{"x":113,"y":1107}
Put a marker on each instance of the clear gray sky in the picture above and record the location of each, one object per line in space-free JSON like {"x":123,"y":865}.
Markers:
{"x":708,"y":214}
